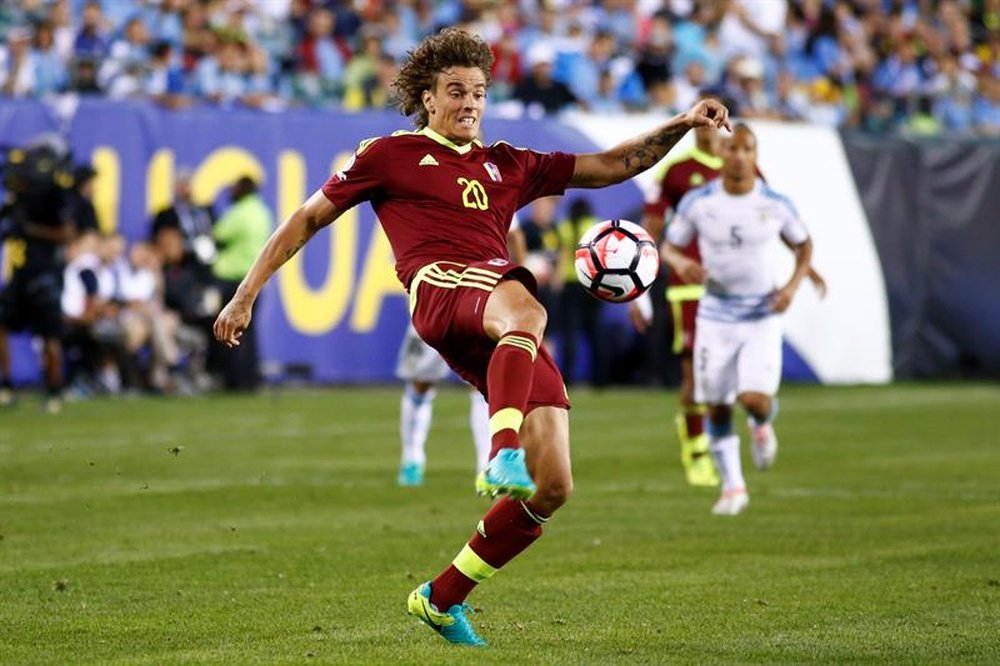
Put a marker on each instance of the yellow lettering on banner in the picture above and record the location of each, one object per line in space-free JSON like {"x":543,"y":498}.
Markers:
{"x":160,"y":181}
{"x":378,"y":280}
{"x":315,"y":312}
{"x":107,"y":187}
{"x":221,"y":169}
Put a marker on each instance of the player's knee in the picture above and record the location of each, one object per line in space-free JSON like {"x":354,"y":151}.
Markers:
{"x":757,"y":404}
{"x":720,"y":421}
{"x":553,"y":493}
{"x":532,"y":319}
{"x":421,"y":388}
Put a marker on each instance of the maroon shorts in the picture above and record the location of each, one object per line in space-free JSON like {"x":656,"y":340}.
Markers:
{"x":683,"y":301}
{"x":447,"y":300}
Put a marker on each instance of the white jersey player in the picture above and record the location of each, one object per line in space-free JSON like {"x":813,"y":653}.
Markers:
{"x":738,"y":221}
{"x":421,"y":368}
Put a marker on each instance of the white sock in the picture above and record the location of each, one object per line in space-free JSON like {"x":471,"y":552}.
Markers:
{"x":726,"y":453}
{"x":416,"y":411}
{"x":479,"y":421}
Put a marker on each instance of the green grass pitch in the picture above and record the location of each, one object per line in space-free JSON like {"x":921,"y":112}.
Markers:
{"x":269,"y":530}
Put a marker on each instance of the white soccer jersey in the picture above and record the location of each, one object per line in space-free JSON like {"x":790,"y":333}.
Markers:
{"x":736,"y":236}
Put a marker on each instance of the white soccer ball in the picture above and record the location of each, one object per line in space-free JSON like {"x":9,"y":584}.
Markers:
{"x":616,"y":260}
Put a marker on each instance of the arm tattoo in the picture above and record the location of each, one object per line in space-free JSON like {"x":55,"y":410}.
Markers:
{"x":312,"y":226}
{"x":294,"y":249}
{"x":645,"y":151}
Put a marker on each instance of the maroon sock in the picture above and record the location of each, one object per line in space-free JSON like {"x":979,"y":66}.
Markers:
{"x":508,"y":384}
{"x":694,"y":419}
{"x":504,"y":532}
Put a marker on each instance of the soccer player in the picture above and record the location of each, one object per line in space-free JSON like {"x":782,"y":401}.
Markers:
{"x":737,"y":352}
{"x":445,"y":201}
{"x":685,"y":172}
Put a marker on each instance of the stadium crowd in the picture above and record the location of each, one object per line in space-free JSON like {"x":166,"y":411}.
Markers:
{"x":920,"y":66}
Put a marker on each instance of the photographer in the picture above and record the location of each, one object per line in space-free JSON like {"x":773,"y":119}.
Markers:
{"x":36,"y":223}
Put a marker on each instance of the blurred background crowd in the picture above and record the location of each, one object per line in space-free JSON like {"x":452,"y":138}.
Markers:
{"x":918,"y":66}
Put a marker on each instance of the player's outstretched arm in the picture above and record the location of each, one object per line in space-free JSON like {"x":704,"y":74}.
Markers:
{"x":634,"y":156}
{"x":287,"y":239}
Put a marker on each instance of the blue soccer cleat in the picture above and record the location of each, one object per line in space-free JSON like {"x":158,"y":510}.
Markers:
{"x":410,"y":474}
{"x":453,"y":626}
{"x":506,"y":474}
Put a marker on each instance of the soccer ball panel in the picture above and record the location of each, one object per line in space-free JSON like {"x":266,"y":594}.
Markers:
{"x":616,"y":251}
{"x":648,"y":266}
{"x":615,"y":287}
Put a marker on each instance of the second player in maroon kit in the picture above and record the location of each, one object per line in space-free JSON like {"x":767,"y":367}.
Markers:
{"x":684,"y":173}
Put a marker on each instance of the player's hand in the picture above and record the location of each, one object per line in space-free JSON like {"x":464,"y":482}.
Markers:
{"x":782,"y":298}
{"x":232,"y":322}
{"x":818,"y":282}
{"x":692,"y":272}
{"x":708,"y":113}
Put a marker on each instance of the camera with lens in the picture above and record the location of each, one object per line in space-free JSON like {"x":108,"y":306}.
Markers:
{"x":33,"y":177}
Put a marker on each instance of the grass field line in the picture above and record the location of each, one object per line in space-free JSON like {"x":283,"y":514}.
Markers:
{"x":796,"y":492}
{"x":388,"y":428}
{"x":838,"y":402}
{"x":114,"y":558}
{"x":831,"y":492}
{"x":45,"y":495}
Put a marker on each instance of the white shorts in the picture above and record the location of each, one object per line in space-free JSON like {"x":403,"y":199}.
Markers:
{"x":418,"y":362}
{"x":734,"y":358}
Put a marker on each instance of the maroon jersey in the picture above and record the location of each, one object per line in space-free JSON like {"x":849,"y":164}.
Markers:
{"x":439,"y":201}
{"x":693,"y":170}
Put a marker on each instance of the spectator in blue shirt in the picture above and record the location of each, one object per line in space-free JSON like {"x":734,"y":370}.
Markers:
{"x":50,"y":71}
{"x":164,"y":81}
{"x":92,"y":39}
{"x":127,"y":55}
{"x":585,"y":70}
{"x":986,"y":107}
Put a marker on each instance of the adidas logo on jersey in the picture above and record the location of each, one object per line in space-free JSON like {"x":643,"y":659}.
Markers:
{"x":428,"y":160}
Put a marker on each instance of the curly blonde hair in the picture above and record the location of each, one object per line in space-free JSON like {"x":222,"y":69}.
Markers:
{"x":452,"y":47}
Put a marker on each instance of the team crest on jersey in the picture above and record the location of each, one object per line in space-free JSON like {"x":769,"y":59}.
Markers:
{"x":493,"y":171}
{"x":497,"y":262}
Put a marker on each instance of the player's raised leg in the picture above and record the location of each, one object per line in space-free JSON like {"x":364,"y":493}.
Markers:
{"x":760,"y":376}
{"x":516,"y":320}
{"x":761,"y":409}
